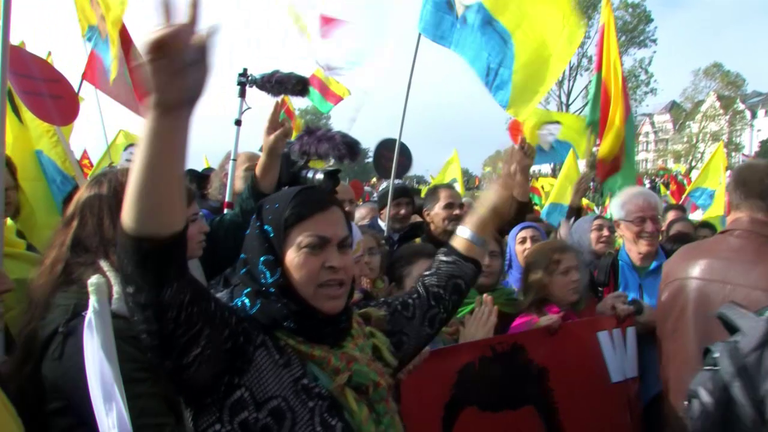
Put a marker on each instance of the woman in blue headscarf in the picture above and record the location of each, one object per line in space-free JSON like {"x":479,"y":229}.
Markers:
{"x":521,"y":239}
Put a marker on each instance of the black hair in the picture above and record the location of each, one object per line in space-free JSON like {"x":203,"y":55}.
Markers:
{"x":432,"y":197}
{"x":674,"y":207}
{"x":418,"y":205}
{"x":677,"y":221}
{"x":673,"y":243}
{"x":198,"y":181}
{"x":309,"y":202}
{"x":404,"y":258}
{"x":707,"y":225}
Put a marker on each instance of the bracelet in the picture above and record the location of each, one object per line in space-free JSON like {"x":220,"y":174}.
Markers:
{"x":468,"y":235}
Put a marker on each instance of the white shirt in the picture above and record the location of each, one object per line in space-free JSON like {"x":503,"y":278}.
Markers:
{"x":392,"y":234}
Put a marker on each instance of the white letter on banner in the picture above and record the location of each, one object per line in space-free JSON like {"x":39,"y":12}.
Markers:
{"x":620,"y":359}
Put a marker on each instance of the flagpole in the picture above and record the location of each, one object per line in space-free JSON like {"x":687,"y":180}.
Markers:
{"x":400,"y":136}
{"x":4,"y":48}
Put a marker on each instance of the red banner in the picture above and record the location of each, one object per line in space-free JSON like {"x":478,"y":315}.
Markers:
{"x":581,"y":378}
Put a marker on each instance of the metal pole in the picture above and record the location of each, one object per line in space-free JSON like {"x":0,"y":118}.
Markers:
{"x":4,"y":47}
{"x":399,"y":137}
{"x":242,"y":83}
{"x":103,"y":126}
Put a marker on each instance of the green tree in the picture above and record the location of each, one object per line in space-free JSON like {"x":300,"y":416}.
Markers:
{"x":720,"y":118}
{"x":314,"y":117}
{"x":492,"y":166}
{"x":416,"y":180}
{"x":637,"y":37}
{"x":714,"y":77}
{"x":361,"y":170}
{"x":469,"y":178}
{"x":762,"y":150}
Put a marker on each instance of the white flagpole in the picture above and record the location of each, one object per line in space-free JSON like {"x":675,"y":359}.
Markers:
{"x":400,"y":136}
{"x":4,"y":47}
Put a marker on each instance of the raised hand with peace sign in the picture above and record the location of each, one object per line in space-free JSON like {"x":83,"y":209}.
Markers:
{"x":176,"y":59}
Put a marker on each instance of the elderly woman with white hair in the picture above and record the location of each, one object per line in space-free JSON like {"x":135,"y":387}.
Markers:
{"x":636,"y":215}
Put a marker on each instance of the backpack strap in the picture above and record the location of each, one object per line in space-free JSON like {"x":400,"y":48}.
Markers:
{"x":735,"y":318}
{"x":603,"y":273}
{"x":741,"y":385}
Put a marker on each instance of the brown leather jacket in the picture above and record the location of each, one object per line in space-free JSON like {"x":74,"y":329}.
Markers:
{"x":696,"y":281}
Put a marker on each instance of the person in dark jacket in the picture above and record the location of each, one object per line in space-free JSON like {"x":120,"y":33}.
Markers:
{"x":443,"y":212}
{"x":46,"y":376}
{"x":290,"y":353}
{"x":401,"y":230}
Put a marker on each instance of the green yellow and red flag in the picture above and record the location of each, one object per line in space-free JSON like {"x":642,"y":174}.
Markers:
{"x":325,"y":92}
{"x":287,"y":110}
{"x":609,"y":113}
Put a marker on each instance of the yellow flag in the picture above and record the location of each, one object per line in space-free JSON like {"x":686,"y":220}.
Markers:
{"x":100,"y":23}
{"x":556,"y":205}
{"x":573,"y":129}
{"x":21,"y":266}
{"x":546,"y":184}
{"x":206,"y":163}
{"x":451,"y":174}
{"x":708,"y":190}
{"x":39,"y":215}
{"x":114,"y":152}
{"x":716,"y":212}
{"x":712,"y":175}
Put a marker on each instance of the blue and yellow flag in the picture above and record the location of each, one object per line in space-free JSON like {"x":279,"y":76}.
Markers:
{"x":716,"y":212}
{"x":567,"y":131}
{"x":703,"y":190}
{"x":100,"y":23}
{"x":450,"y":174}
{"x":517,"y":48}
{"x":556,"y":206}
{"x":40,"y":213}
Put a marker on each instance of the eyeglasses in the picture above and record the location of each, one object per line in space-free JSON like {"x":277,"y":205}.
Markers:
{"x":640,"y":221}
{"x":601,"y":228}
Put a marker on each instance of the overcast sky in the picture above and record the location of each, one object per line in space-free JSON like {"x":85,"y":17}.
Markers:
{"x":448,"y":108}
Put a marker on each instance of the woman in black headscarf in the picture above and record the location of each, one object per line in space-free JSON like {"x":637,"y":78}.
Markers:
{"x":290,"y":353}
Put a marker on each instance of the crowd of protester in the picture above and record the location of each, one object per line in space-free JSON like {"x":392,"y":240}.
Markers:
{"x":302,"y":308}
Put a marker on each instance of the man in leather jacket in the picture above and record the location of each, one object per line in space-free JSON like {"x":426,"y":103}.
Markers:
{"x":701,"y":277}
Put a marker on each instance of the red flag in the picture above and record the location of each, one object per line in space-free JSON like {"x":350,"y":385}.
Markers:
{"x":129,"y":87}
{"x":329,"y":25}
{"x":85,"y":163}
{"x":526,"y":382}
{"x":676,"y":188}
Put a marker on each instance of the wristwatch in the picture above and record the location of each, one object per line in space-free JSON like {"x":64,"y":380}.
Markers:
{"x":468,"y":235}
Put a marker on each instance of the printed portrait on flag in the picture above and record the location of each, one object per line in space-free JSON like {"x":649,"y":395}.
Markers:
{"x":126,"y":157}
{"x":97,"y":37}
{"x":550,"y":149}
{"x":530,"y":381}
{"x":100,"y":23}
